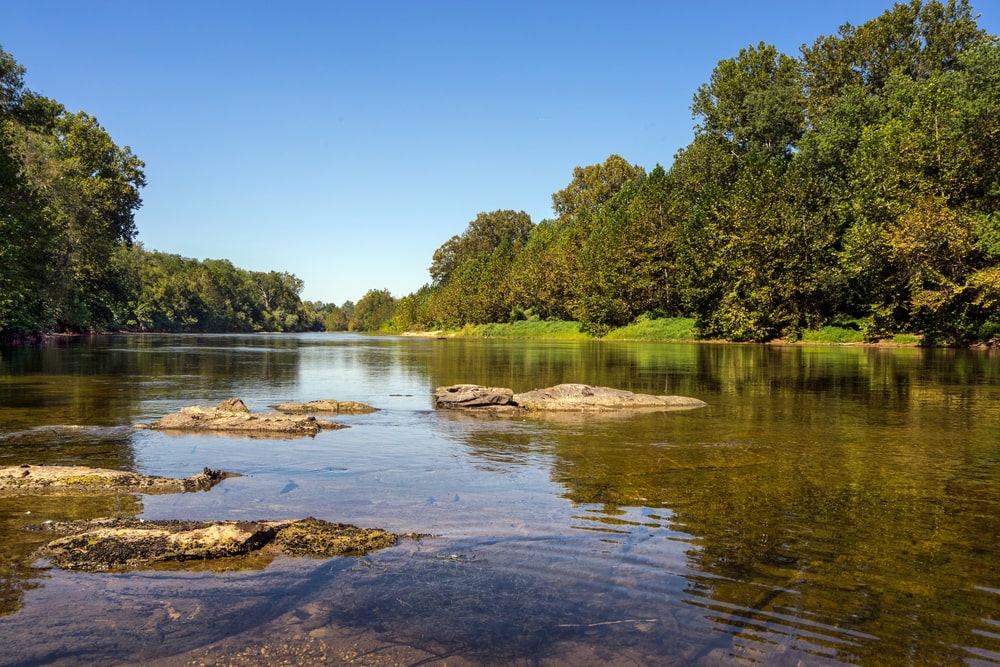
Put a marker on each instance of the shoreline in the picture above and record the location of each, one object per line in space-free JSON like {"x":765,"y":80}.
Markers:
{"x":447,"y":334}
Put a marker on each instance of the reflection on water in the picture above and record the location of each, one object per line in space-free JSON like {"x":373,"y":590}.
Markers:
{"x":830,"y":506}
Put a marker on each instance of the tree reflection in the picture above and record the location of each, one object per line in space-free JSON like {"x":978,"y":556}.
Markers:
{"x":841,"y":502}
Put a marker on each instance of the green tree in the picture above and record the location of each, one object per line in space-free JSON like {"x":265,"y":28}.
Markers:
{"x":481,"y":237}
{"x":593,"y":185}
{"x":373,"y":310}
{"x":542,"y":273}
{"x":471,"y":271}
{"x":753,"y":101}
{"x":26,"y":232}
{"x":627,"y":263}
{"x":91,"y":188}
{"x":913,"y":38}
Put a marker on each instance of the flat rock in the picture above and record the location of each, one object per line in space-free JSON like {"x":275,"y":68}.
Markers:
{"x":120,"y":543}
{"x":574,"y":397}
{"x":560,"y":398}
{"x":28,"y":480}
{"x":232,"y":416}
{"x":325,"y":406}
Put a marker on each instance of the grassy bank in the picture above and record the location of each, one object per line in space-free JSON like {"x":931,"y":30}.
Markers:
{"x":677,"y":329}
{"x":670,"y":329}
{"x":540,"y":329}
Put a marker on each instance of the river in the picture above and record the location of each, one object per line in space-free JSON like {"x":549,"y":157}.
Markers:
{"x":830,"y":506}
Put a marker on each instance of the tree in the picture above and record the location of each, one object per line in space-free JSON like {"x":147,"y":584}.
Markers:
{"x":593,"y":185}
{"x":91,"y":186}
{"x":542,"y":273}
{"x":626,"y":265}
{"x":372,"y":311}
{"x":481,"y":237}
{"x":753,"y":101}
{"x":913,"y":38}
{"x":471,"y":271}
{"x":26,"y":233}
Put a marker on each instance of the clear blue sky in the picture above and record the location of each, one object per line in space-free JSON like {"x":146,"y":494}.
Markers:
{"x":345,"y":141}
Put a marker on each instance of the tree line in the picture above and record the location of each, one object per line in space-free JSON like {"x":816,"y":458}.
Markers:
{"x":68,"y":257}
{"x":855,"y":184}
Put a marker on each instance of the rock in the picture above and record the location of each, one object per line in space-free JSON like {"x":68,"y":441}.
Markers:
{"x":234,"y":405}
{"x":560,"y":398}
{"x":325,"y":406}
{"x":233,"y":416}
{"x":582,"y":397}
{"x":114,"y":544}
{"x":321,"y":539}
{"x":28,"y":480}
{"x":472,"y":396}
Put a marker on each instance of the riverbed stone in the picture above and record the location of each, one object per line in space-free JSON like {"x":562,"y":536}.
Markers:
{"x":473,"y":396}
{"x":560,"y":398}
{"x":233,"y":416}
{"x":583,"y":397}
{"x":123,"y":543}
{"x":325,"y":406}
{"x":25,"y":480}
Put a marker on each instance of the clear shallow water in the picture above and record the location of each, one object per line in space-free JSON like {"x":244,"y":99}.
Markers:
{"x":831,"y":506}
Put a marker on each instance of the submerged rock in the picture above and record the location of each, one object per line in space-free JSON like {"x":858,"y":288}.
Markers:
{"x":114,"y":544}
{"x":560,"y":398}
{"x":233,"y":416}
{"x":325,"y":406}
{"x":27,"y":480}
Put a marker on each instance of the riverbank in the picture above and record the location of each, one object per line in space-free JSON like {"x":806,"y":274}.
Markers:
{"x":662,"y":330}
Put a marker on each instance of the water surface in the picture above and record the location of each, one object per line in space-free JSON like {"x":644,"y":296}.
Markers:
{"x":831,"y":505}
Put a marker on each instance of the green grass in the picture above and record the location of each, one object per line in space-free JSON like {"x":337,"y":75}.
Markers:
{"x":832,"y":334}
{"x":666,"y":329}
{"x":659,"y":329}
{"x":524,"y":329}
{"x":643,"y":329}
{"x":905,"y":339}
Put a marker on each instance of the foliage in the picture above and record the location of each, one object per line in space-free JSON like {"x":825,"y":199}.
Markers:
{"x":67,"y":226}
{"x":373,"y":310}
{"x":69,"y":198}
{"x":411,"y":313}
{"x":859,"y":180}
{"x":174,"y":293}
{"x":472,"y":272}
{"x":753,"y":101}
{"x":593,"y":185}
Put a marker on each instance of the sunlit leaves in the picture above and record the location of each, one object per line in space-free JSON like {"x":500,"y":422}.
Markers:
{"x":753,"y":101}
{"x":374,"y":309}
{"x":69,"y":198}
{"x":593,"y":185}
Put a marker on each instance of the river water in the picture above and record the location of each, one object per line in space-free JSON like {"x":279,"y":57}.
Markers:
{"x":831,"y":505}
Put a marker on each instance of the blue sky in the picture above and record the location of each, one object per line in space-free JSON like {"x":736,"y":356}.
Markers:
{"x":345,"y":141}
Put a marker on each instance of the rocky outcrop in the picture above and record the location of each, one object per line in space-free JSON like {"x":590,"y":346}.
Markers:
{"x":326,"y":406}
{"x":560,"y":398}
{"x":25,"y":480}
{"x":120,"y":543}
{"x":573,"y":397}
{"x":473,"y":397}
{"x":233,"y":416}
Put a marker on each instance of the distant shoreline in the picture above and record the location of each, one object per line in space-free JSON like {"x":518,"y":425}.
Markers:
{"x":567,"y":331}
